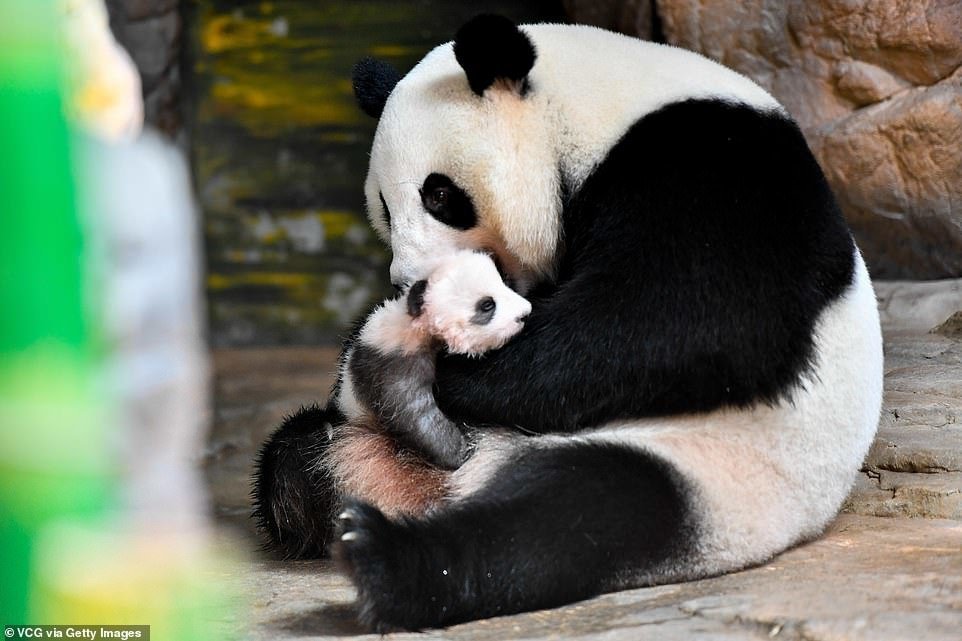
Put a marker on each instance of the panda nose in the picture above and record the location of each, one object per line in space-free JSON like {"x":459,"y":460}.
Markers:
{"x":398,"y":287}
{"x":523,"y":317}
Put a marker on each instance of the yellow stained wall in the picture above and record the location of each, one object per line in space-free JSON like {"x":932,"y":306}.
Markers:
{"x":280,"y":150}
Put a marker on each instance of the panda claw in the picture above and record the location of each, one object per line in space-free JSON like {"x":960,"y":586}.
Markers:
{"x":346,"y":516}
{"x":374,"y":553}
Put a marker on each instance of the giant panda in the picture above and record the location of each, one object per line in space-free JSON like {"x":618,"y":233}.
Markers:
{"x":701,"y":372}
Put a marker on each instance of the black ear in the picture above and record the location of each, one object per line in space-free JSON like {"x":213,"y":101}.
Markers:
{"x":416,"y":298}
{"x":490,"y":47}
{"x":373,"y":80}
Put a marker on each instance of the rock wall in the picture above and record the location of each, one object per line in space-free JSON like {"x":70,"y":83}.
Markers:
{"x":150,"y":30}
{"x":876,"y":86}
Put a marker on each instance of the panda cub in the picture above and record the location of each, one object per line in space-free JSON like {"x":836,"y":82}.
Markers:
{"x":396,"y":444}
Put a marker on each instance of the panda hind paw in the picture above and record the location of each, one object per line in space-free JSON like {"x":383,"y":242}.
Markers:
{"x":370,"y":548}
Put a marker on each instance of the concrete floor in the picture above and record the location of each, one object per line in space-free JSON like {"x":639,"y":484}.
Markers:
{"x":890,"y":568}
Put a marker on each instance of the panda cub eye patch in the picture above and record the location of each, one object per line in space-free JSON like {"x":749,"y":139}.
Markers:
{"x":484,"y":311}
{"x":447,"y":202}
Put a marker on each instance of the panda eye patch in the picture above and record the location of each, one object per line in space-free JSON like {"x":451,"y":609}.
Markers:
{"x":447,"y":202}
{"x":484,"y":311}
{"x":438,"y":198}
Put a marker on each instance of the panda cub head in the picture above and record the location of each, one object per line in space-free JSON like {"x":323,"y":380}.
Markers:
{"x":465,"y":304}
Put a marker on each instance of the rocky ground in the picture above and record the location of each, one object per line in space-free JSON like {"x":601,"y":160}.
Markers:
{"x":890,"y":567}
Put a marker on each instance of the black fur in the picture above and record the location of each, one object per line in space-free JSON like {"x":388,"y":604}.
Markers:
{"x":373,"y":81}
{"x":697,"y":257}
{"x":396,"y":388}
{"x":387,"y":212}
{"x":491,"y":47}
{"x":696,"y":260}
{"x":416,"y":298}
{"x":293,"y":499}
{"x":447,"y":202}
{"x":555,"y":526}
{"x":484,"y":311}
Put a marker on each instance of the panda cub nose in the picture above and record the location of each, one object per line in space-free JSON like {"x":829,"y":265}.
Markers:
{"x":523,"y":317}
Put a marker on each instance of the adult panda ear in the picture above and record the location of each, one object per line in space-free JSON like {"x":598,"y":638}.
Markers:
{"x":491,"y":47}
{"x":373,"y":81}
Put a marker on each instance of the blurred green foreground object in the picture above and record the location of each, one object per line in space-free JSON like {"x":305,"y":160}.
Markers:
{"x":101,"y":521}
{"x":53,"y":462}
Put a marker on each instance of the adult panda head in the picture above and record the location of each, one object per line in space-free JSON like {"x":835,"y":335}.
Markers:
{"x":477,"y":143}
{"x":462,"y":155}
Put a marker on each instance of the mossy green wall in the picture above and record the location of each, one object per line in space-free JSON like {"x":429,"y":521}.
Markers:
{"x":279,"y":152}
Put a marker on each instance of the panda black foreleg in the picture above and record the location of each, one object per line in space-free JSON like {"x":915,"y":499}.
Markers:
{"x":565,"y":370}
{"x":294,"y":500}
{"x":555,"y":525}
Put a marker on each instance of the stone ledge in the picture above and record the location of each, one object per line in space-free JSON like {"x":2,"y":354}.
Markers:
{"x":867,"y":578}
{"x":914,"y":467}
{"x":917,"y":305}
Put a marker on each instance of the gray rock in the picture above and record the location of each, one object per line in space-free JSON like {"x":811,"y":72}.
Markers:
{"x":915,"y":306}
{"x":937,"y":495}
{"x":151,"y":31}
{"x":154,"y":45}
{"x":132,"y":10}
{"x":951,"y":327}
{"x":162,"y":106}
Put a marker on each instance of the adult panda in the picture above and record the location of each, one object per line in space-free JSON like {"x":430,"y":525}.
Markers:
{"x":702,"y":367}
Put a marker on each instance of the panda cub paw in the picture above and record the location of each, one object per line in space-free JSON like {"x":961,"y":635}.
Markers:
{"x":375,"y":553}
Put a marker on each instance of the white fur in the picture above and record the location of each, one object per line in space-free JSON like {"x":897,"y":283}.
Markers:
{"x":346,"y":399}
{"x":390,"y":329}
{"x":579,"y":106}
{"x":767,"y":477}
{"x":457,"y":283}
{"x":453,"y":290}
{"x":455,"y":286}
{"x":493,"y":449}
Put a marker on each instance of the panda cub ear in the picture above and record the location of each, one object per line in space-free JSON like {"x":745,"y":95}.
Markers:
{"x":373,"y":81}
{"x":416,"y":298}
{"x":491,"y":47}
